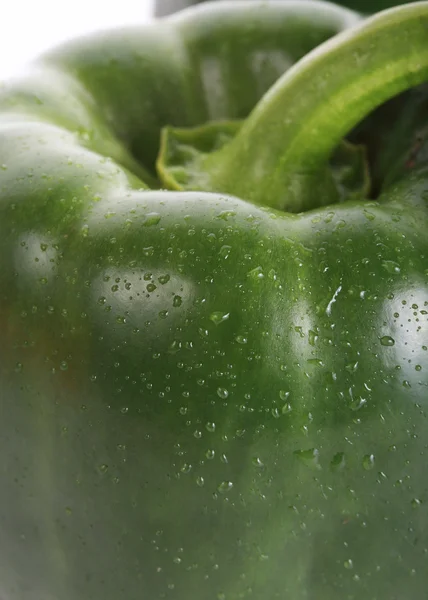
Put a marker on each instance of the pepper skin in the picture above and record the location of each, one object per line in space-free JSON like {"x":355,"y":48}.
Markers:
{"x":216,"y":391}
{"x":167,"y":7}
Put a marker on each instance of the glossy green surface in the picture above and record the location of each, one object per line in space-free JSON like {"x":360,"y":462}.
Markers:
{"x":167,"y":7}
{"x":203,"y":397}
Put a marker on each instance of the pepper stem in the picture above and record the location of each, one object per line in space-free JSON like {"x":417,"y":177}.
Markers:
{"x":279,"y":156}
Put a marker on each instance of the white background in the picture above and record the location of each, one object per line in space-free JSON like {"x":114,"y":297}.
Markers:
{"x":28,"y":27}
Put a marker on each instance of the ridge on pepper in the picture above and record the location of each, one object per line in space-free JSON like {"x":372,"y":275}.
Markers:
{"x":167,"y":7}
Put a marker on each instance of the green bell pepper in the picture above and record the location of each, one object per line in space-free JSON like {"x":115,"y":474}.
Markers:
{"x":217,"y":391}
{"x":166,"y":7}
